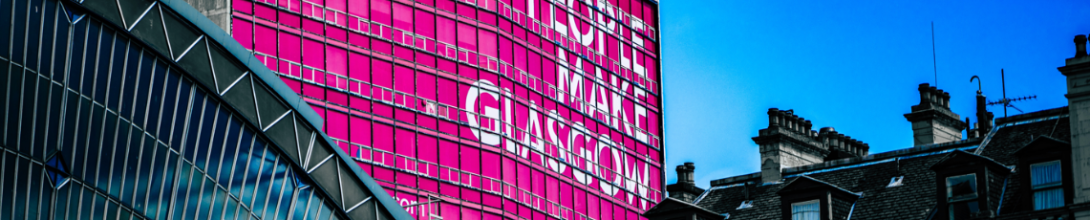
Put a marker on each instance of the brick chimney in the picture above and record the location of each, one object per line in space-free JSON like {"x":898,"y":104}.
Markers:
{"x":1077,"y":70}
{"x":685,"y":189}
{"x":789,"y":142}
{"x":932,"y":120}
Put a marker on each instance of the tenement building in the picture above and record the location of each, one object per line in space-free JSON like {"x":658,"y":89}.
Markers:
{"x":479,"y":109}
{"x":1026,"y":166}
{"x":145,"y":109}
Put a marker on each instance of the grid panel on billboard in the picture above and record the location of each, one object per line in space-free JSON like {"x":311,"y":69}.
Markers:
{"x":568,"y":99}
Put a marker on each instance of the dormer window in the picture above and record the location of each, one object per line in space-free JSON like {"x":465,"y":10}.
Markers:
{"x":808,"y":210}
{"x":961,"y":195}
{"x":1047,"y":184}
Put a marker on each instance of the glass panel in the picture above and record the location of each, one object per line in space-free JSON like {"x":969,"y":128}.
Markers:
{"x":282,"y":191}
{"x":105,"y":159}
{"x":200,"y":131}
{"x":155,"y":94}
{"x":231,"y":210}
{"x":216,"y":148}
{"x":195,"y":103}
{"x":961,"y":187}
{"x":170,"y":102}
{"x":143,"y":88}
{"x":182,"y":190}
{"x":241,"y":164}
{"x":71,"y":122}
{"x":130,"y":86}
{"x":93,"y":148}
{"x":117,"y":160}
{"x":1049,"y":198}
{"x":229,"y":152}
{"x":206,"y":199}
{"x":264,"y":185}
{"x":1045,"y":174}
{"x":61,"y":205}
{"x":217,"y":204}
{"x":809,"y":210}
{"x":162,"y":182}
{"x":144,"y":173}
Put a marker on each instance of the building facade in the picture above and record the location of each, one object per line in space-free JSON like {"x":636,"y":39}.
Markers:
{"x":144,"y":109}
{"x":480,"y":109}
{"x":1026,"y":166}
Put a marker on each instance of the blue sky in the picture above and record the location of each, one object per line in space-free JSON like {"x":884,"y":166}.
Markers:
{"x":851,"y":65}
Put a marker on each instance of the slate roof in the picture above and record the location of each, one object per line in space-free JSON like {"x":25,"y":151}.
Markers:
{"x":870,"y":175}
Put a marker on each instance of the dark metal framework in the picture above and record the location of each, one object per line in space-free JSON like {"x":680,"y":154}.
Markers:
{"x":143,"y":109}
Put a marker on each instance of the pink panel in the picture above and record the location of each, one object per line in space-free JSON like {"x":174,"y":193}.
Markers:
{"x":471,"y":159}
{"x":265,"y":40}
{"x":359,"y":8}
{"x":359,"y":67}
{"x":425,"y":85}
{"x":289,"y":20}
{"x":361,"y":131}
{"x":448,"y":154}
{"x":338,"y":5}
{"x":337,"y":125}
{"x":403,"y":79}
{"x":313,"y":91}
{"x":264,"y":11}
{"x":488,"y":43}
{"x":384,"y":136}
{"x":336,"y":60}
{"x":449,"y":211}
{"x":505,"y":50}
{"x":470,"y":214}
{"x":425,"y":23}
{"x":403,"y":17}
{"x":243,"y":6}
{"x":427,"y":148}
{"x":446,"y":96}
{"x":406,"y":143}
{"x":445,"y":30}
{"x":242,"y":31}
{"x":382,"y":73}
{"x":467,"y":36}
{"x":289,"y":47}
{"x":380,"y":11}
{"x":313,"y":54}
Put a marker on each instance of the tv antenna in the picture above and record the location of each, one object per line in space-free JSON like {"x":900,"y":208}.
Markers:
{"x":1006,"y":102}
{"x":934,"y":60}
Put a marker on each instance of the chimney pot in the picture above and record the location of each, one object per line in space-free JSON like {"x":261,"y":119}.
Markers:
{"x":827,"y":129}
{"x":946,"y":100}
{"x":1080,"y":46}
{"x":773,"y":117}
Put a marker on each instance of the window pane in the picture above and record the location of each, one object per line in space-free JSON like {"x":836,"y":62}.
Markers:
{"x":961,"y":187}
{"x":1045,"y":174}
{"x":1046,"y":199}
{"x":809,"y":210}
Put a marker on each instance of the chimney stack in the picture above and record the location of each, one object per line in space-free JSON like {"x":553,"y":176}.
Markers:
{"x":1077,"y":70}
{"x":789,"y":142}
{"x":932,"y":120}
{"x":685,"y":189}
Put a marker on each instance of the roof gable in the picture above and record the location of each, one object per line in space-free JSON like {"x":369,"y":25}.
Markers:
{"x":961,"y":158}
{"x":673,"y":206}
{"x":1043,"y":143}
{"x":807,"y":184}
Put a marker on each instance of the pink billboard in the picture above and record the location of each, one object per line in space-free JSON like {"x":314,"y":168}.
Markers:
{"x":480,"y":109}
